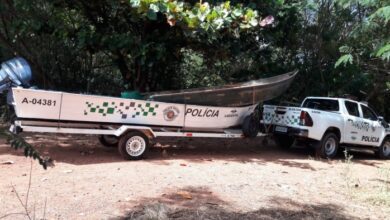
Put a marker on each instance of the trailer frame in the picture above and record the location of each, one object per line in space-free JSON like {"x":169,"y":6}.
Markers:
{"x":124,"y":133}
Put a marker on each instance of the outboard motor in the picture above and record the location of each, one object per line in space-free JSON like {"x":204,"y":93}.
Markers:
{"x":14,"y":72}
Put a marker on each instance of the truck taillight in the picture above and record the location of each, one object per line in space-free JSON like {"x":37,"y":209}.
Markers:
{"x":305,"y":119}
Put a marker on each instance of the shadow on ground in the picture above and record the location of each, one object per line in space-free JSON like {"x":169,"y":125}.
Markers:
{"x":83,"y":149}
{"x":201,"y":203}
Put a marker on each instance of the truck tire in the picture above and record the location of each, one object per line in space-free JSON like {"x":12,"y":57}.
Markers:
{"x":384,"y":150}
{"x":108,"y":140}
{"x":133,"y":145}
{"x":250,"y":126}
{"x":284,"y":141}
{"x":328,"y":146}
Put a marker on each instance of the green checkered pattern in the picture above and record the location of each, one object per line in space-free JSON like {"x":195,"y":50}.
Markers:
{"x":105,"y":109}
{"x":124,"y":109}
{"x":146,"y":110}
{"x":281,"y":119}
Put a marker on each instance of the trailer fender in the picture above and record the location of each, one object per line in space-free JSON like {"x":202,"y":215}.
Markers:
{"x":125,"y":129}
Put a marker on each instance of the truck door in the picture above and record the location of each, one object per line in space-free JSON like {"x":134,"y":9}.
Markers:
{"x":372,"y":135}
{"x":353,"y":124}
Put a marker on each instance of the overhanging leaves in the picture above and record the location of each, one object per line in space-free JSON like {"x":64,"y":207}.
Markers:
{"x":18,"y":142}
{"x":201,"y":15}
{"x":345,"y":59}
{"x":384,"y":52}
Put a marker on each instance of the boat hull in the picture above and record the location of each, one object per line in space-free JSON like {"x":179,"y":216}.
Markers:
{"x":240,"y":94}
{"x":62,"y":107}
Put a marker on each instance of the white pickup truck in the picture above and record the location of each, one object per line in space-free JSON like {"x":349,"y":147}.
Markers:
{"x":327,"y":124}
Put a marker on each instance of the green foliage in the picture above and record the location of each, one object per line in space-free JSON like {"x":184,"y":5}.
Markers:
{"x":384,"y":52}
{"x":196,"y":72}
{"x":382,"y":13}
{"x":18,"y":142}
{"x":200,"y":15}
{"x":368,"y":29}
{"x":86,"y":42}
{"x":345,"y":59}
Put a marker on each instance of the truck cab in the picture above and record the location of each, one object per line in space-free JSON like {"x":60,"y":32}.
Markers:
{"x":328,"y":123}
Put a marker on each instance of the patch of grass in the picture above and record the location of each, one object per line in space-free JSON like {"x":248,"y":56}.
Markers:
{"x":350,"y":181}
{"x":378,"y":194}
{"x":381,"y":194}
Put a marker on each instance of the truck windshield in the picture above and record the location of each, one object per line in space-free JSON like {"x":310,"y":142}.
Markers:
{"x":322,"y":104}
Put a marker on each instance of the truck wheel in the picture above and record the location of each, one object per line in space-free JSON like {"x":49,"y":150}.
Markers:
{"x":328,"y":146}
{"x":133,"y":145}
{"x":108,"y":140}
{"x":284,"y":141}
{"x":384,"y":150}
{"x":250,"y":126}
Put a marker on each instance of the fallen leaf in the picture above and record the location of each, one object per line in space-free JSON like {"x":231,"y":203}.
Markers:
{"x":185,"y":194}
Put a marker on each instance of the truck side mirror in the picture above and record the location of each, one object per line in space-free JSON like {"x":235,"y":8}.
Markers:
{"x":380,"y":118}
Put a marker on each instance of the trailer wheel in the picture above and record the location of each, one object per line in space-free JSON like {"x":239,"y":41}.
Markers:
{"x":284,"y":141}
{"x":133,"y":145}
{"x":250,"y":126}
{"x":384,"y":150}
{"x":108,"y":140}
{"x":328,"y":146}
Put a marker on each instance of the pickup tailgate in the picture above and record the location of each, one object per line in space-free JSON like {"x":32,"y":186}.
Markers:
{"x":281,"y":116}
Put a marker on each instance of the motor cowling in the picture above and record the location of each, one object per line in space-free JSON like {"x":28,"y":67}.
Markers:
{"x":15,"y":72}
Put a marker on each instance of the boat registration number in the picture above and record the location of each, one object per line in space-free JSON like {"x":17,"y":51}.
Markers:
{"x":35,"y":101}
{"x":281,"y":129}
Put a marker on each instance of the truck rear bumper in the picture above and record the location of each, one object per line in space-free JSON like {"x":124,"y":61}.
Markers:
{"x":298,"y":132}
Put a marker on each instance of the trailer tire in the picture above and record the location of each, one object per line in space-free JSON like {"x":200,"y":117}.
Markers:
{"x":250,"y":126}
{"x":108,"y":140}
{"x":328,"y":146}
{"x":384,"y":150}
{"x":284,"y":141}
{"x":133,"y":145}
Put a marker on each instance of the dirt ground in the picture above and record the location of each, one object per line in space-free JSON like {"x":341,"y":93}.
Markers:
{"x":197,"y":179}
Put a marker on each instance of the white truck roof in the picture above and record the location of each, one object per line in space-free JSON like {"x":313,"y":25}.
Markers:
{"x":333,"y":98}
